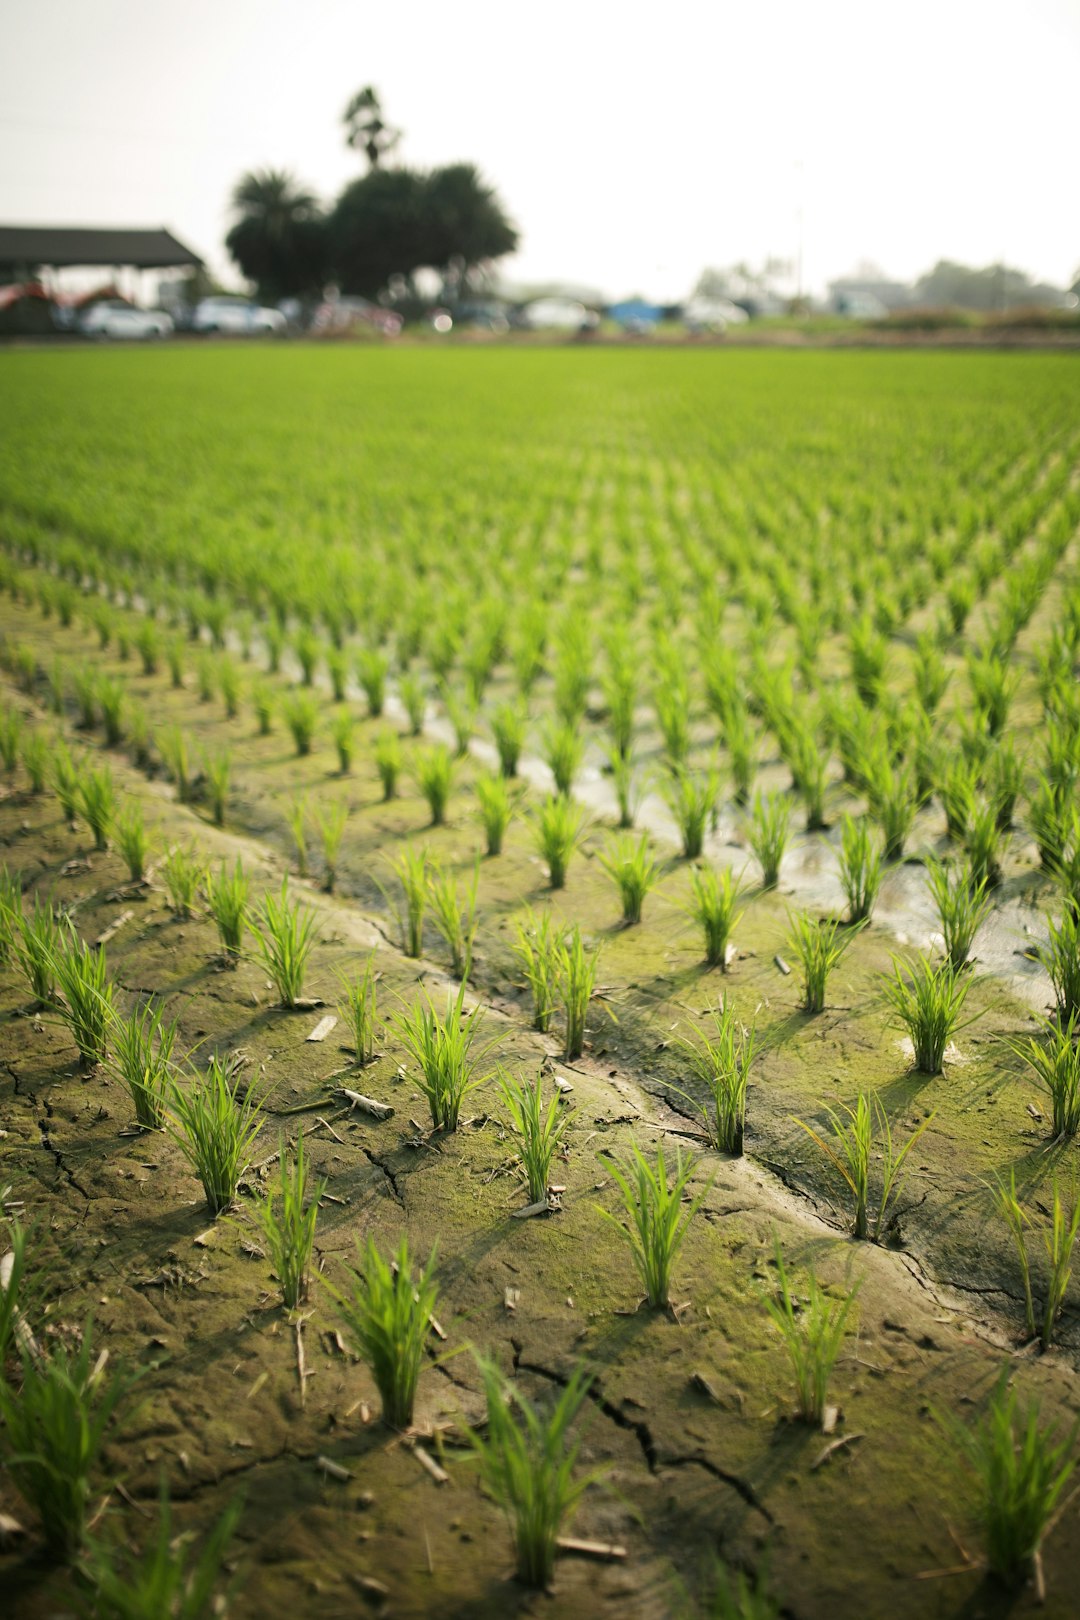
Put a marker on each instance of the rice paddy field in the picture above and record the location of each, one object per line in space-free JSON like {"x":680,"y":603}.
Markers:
{"x":539,"y":983}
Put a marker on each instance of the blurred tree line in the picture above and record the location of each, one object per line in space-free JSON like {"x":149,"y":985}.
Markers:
{"x":384,"y":226}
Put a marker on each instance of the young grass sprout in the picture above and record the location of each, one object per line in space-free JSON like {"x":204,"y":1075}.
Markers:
{"x":635,"y":873}
{"x":388,"y":1313}
{"x":287,"y":1218}
{"x":850,"y":1148}
{"x":658,"y":1219}
{"x":927,"y":1002}
{"x":537,"y":1130}
{"x":558,"y":827}
{"x":813,"y":1337}
{"x":441,"y":1047}
{"x":215,"y":1126}
{"x":720,"y":1063}
{"x":767,"y":834}
{"x":818,"y":946}
{"x":284,"y":938}
{"x":227,"y":897}
{"x":714,"y":906}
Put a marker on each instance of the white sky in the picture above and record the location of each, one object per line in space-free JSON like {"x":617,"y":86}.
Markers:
{"x":632,"y":145}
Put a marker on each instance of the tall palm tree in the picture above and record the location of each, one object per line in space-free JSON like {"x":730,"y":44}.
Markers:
{"x":279,"y":239}
{"x":366,"y":129}
{"x":274,"y":199}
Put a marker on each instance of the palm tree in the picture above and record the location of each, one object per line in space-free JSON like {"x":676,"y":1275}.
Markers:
{"x":365,"y":128}
{"x":273,"y":198}
{"x":279,"y":238}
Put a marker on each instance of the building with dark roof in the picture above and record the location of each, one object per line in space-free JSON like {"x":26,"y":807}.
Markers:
{"x":26,"y":249}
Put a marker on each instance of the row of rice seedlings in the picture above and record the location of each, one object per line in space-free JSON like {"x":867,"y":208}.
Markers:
{"x":216,"y":1125}
{"x":287,"y":1218}
{"x":537,"y":1130}
{"x":849,"y":1148}
{"x":441,"y":1047}
{"x":813,"y":1335}
{"x":1058,"y":1241}
{"x":359,"y":1008}
{"x":721,"y":1063}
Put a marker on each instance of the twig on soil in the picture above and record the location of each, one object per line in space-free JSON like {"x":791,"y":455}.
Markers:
{"x":834,"y":1446}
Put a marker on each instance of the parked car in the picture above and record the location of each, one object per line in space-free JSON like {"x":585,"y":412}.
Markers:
{"x":112,"y":318}
{"x":237,"y":317}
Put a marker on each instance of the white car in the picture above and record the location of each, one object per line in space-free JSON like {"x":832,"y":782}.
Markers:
{"x":236,"y":316}
{"x":112,"y":318}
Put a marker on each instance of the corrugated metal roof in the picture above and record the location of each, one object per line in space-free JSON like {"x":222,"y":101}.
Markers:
{"x":60,"y":246}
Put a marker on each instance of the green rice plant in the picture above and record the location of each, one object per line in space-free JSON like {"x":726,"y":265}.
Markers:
{"x":850,"y":1150}
{"x":166,"y":1581}
{"x":658,"y":1217}
{"x":371,"y":671}
{"x":10,"y":913}
{"x":767,"y":834}
{"x":868,"y":653}
{"x":25,"y":668}
{"x":284,"y":937}
{"x":229,"y":685}
{"x":337,"y":668}
{"x":528,"y":1465}
{"x":496,"y":805}
{"x":714,"y":906}
{"x":413,"y":695}
{"x":227,"y":898}
{"x":286,"y":1218}
{"x":692,"y":798}
{"x":818,"y":946}
{"x":84,"y":683}
{"x":101,"y":620}
{"x":735,"y":1596}
{"x":13,"y":1268}
{"x":206,"y":675}
{"x":306,"y":648}
{"x":359,"y":1009}
{"x":1021,"y":1469}
{"x":809,"y":765}
{"x":388,"y":762}
{"x":960,"y":596}
{"x":962,"y":905}
{"x":174,"y":653}
{"x":1058,"y":1242}
{"x":97,"y":803}
{"x":434,"y":777}
{"x":576,"y":966}
{"x":66,"y":777}
{"x":34,"y":754}
{"x":632,"y":868}
{"x":84,"y":997}
{"x":671,"y":701}
{"x":297,"y":817}
{"x":141,"y":1047}
{"x":813,"y":1336}
{"x":183,"y":873}
{"x":441,"y":1047}
{"x":139,"y":736}
{"x":1055,"y":1062}
{"x":721,"y":1064}
{"x":538,"y":948}
{"x":742,"y":745}
{"x":930,"y":673}
{"x":536,"y":1130}
{"x":217,"y":769}
{"x":57,"y":678}
{"x":927,"y":1003}
{"x":330,"y":827}
{"x":148,"y":646}
{"x":620,"y":696}
{"x":301,"y":715}
{"x":215,"y":1127}
{"x":461,"y":713}
{"x":508,"y":723}
{"x":983,"y":840}
{"x":1004,"y":776}
{"x":55,"y":1425}
{"x":343,"y":740}
{"x":573,"y":671}
{"x":454,"y":918}
{"x":861,"y":859}
{"x":130,"y":837}
{"x":112,"y":698}
{"x":628,"y":790}
{"x":411,"y":871}
{"x":172,"y":745}
{"x":274,"y":636}
{"x":993,"y":682}
{"x":558,"y":829}
{"x":1064,"y":867}
{"x":262,"y":701}
{"x":1049,"y":817}
{"x":893,"y":805}
{"x":35,"y":943}
{"x":562,"y":752}
{"x":387,"y":1313}
{"x":956,"y":790}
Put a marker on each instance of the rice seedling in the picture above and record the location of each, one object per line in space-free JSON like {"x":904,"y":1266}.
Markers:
{"x":371,"y":671}
{"x":13,"y":1267}
{"x":735,"y":1596}
{"x":620,"y":696}
{"x":538,"y":948}
{"x":563,"y":751}
{"x":55,"y":1425}
{"x":262,"y":701}
{"x":286,"y":1218}
{"x":927,"y":1003}
{"x":34,"y":755}
{"x":227,"y":898}
{"x":35,"y":943}
{"x":131,"y":840}
{"x":1004,"y":775}
{"x":692,"y":799}
{"x":174,"y":653}
{"x":84,"y":683}
{"x":930,"y":674}
{"x":868,"y":653}
{"x":658,"y":1218}
{"x":183,"y":873}
{"x":229,"y":685}
{"x":441,"y":1047}
{"x":573,"y":671}
{"x":1021,"y":1469}
{"x":141,"y":1047}
{"x":215,"y":1127}
{"x":714,"y":906}
{"x":65,"y":780}
{"x":962,"y":905}
{"x":387,"y":1312}
{"x":343,"y":740}
{"x":330,"y":827}
{"x":956,"y":790}
{"x":413,"y":695}
{"x":849,"y":1149}
{"x":809,"y":762}
{"x":83,"y":997}
{"x":818,"y":946}
{"x":148,"y":646}
{"x":893,"y":805}
{"x":25,"y":669}
{"x":139,"y":736}
{"x":434,"y":777}
{"x":508,"y":724}
{"x":297,"y":818}
{"x":306,"y":648}
{"x":671,"y":701}
{"x":301,"y":715}
{"x":388,"y":763}
{"x":633,"y":870}
{"x":461,"y":713}
{"x":742,"y":746}
{"x":558,"y":828}
{"x":359,"y":1009}
{"x":411,"y":871}
{"x":961,"y":596}
{"x":767,"y":834}
{"x":721,"y":1064}
{"x":10,"y":911}
{"x":206,"y":675}
{"x":537,"y":1130}
{"x":983,"y":839}
{"x":112,"y":702}
{"x":576,"y":966}
{"x":274,"y":636}
{"x":217,"y":768}
{"x":172,"y":745}
{"x":528,"y":1465}
{"x":1055,"y":1062}
{"x":496,"y":806}
{"x":166,"y":1581}
{"x":813,"y":1336}
{"x":57,"y":678}
{"x":993,"y":684}
{"x":454,"y":919}
{"x":97,"y":803}
{"x":284,"y":938}
{"x":1058,"y":1242}
{"x":337,"y":668}
{"x":861,"y":859}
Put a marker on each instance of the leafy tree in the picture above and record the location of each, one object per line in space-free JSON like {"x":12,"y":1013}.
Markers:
{"x":365,"y":129}
{"x":280,"y":240}
{"x":464,"y":219}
